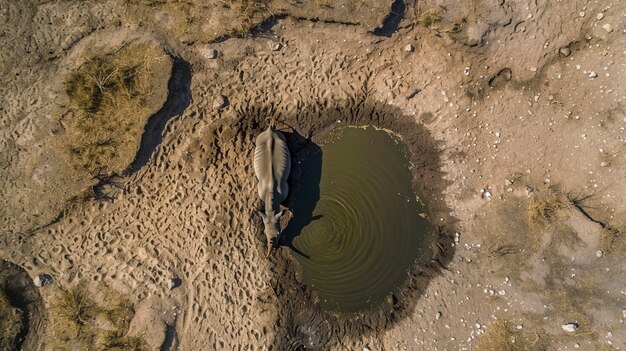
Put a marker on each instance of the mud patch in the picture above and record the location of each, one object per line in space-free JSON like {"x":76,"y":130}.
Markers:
{"x":22,"y":295}
{"x":304,"y":130}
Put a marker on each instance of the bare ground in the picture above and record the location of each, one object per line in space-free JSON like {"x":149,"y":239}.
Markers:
{"x":488,"y":99}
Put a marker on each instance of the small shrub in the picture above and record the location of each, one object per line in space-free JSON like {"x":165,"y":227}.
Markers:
{"x":429,"y":18}
{"x":501,"y":335}
{"x":613,"y":240}
{"x":78,"y":320}
{"x":71,"y":311}
{"x":546,"y":208}
{"x":116,"y":341}
{"x":110,"y":99}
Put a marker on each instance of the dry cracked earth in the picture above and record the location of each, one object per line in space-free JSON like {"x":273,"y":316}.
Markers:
{"x":513,"y":110}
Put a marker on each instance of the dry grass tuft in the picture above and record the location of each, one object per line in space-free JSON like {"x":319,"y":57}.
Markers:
{"x":72,"y":311}
{"x":110,"y":99}
{"x":429,"y":19}
{"x":10,"y":322}
{"x":613,"y":240}
{"x":247,"y":12}
{"x":77,"y":321}
{"x":501,"y":335}
{"x":546,"y":208}
{"x":115,"y":341}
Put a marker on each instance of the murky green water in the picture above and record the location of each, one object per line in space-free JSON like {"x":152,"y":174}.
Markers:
{"x":365,"y":230}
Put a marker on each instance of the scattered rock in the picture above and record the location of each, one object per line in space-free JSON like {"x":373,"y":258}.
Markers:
{"x":593,"y":74}
{"x":409,"y":48}
{"x":581,"y":14}
{"x":175,"y":283}
{"x":367,"y":348}
{"x":608,"y":28}
{"x":220,"y":102}
{"x":466,"y":71}
{"x":600,"y":16}
{"x":599,"y":253}
{"x":570,"y":327}
{"x":274,"y":45}
{"x":565,"y":51}
{"x":211,"y":54}
{"x":486,"y":194}
{"x":42,"y":280}
{"x":534,"y":69}
{"x":438,"y":316}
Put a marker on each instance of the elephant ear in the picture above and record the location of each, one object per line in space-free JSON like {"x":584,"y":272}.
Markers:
{"x":278,"y":215}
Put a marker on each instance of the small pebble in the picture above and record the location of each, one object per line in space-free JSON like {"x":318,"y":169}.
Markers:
{"x":593,"y":74}
{"x":486,"y":194}
{"x":608,"y":28}
{"x":220,"y":102}
{"x":581,"y":14}
{"x":438,"y":316}
{"x":42,"y":280}
{"x":211,"y":54}
{"x":409,"y":48}
{"x":599,"y":253}
{"x":570,"y":327}
{"x":274,"y":45}
{"x":600,"y":16}
{"x":466,"y":71}
{"x":565,"y":51}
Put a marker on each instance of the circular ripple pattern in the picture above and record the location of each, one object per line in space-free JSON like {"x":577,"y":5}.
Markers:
{"x":366,"y":229}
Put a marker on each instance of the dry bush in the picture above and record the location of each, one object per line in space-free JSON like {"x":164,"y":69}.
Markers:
{"x":187,"y":19}
{"x":429,"y":18}
{"x":247,"y":12}
{"x":116,"y":341}
{"x":613,"y":240}
{"x":77,"y":320}
{"x":546,"y":208}
{"x":501,"y":335}
{"x":10,"y":322}
{"x":110,"y":99}
{"x":72,"y":313}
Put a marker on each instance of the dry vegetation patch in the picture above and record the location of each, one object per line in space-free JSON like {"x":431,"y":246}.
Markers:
{"x":77,"y":321}
{"x":502,"y":335}
{"x":110,"y":99}
{"x":10,"y":322}
{"x":546,"y":208}
{"x":199,"y":20}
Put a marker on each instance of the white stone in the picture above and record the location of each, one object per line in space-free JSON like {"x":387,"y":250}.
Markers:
{"x":211,"y":54}
{"x":600,"y":16}
{"x":42,"y":280}
{"x":570,"y":327}
{"x":599,"y":253}
{"x":486,"y":195}
{"x":608,"y":28}
{"x":438,"y":315}
{"x":274,"y":45}
{"x":593,"y":74}
{"x":219,"y":102}
{"x":409,"y":48}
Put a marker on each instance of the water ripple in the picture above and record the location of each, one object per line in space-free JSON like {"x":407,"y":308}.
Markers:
{"x":370,"y":231}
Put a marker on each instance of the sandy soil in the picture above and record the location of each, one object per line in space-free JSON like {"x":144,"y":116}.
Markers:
{"x":519,"y":98}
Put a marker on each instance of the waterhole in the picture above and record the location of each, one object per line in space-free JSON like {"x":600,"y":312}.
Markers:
{"x":365,"y":227}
